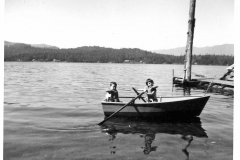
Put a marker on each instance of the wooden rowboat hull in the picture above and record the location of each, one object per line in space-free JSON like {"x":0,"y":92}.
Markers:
{"x":169,"y":106}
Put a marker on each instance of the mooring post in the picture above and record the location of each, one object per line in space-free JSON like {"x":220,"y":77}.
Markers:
{"x":190,"y":35}
{"x":172,"y":79}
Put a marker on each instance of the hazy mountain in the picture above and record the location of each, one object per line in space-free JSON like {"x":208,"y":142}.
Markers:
{"x":6,"y":43}
{"x":225,"y":49}
{"x":43,"y":46}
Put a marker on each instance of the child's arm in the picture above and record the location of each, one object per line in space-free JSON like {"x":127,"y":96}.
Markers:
{"x":109,"y":90}
{"x":154,"y":87}
{"x":153,"y":91}
{"x":146,"y":88}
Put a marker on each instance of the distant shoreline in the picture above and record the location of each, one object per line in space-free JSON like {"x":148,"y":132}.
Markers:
{"x":95,"y":54}
{"x":112,"y":63}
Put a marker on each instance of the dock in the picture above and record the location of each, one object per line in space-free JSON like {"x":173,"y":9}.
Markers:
{"x":217,"y":86}
{"x":203,"y":81}
{"x":217,"y":82}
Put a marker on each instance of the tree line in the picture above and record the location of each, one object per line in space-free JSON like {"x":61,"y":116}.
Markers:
{"x":96,"y":54}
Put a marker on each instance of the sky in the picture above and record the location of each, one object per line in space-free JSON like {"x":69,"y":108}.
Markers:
{"x":144,"y":24}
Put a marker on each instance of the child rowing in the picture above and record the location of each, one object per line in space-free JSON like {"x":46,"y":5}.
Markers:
{"x":151,"y":91}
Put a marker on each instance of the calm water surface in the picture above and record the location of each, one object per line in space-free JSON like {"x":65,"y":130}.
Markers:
{"x":51,"y":111}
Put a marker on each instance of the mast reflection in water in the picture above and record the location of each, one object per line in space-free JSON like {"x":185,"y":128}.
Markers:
{"x":188,"y":128}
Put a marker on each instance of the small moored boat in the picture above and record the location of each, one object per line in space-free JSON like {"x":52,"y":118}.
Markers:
{"x":190,"y":106}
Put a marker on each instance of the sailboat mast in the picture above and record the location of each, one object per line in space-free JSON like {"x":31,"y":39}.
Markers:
{"x":189,"y":46}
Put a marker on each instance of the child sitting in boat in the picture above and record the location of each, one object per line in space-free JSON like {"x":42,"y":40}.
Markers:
{"x":112,"y":93}
{"x":151,"y":91}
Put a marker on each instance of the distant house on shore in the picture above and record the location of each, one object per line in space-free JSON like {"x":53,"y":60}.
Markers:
{"x":126,"y":61}
{"x":55,"y":60}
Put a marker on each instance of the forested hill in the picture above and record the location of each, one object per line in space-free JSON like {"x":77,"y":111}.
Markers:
{"x":25,"y":52}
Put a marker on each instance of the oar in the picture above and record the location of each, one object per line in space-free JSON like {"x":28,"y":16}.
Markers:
{"x":120,"y":108}
{"x":138,"y":94}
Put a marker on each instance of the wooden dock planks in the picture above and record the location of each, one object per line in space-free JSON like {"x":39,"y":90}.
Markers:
{"x":218,"y":82}
{"x":202,"y":81}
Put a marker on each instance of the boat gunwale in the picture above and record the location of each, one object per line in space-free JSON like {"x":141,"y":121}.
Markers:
{"x":171,"y":96}
{"x":152,"y":103}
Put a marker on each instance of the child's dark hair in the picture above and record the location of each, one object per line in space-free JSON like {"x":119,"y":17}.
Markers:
{"x":149,"y":80}
{"x":113,"y":83}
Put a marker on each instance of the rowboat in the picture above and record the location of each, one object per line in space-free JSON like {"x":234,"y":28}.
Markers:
{"x":179,"y":81}
{"x":190,"y":106}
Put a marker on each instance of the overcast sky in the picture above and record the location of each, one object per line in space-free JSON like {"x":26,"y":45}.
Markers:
{"x":144,"y":24}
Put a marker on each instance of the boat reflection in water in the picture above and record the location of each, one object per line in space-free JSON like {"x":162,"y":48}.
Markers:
{"x":147,"y":129}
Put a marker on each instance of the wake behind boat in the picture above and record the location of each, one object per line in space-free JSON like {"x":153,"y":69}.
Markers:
{"x":190,"y":106}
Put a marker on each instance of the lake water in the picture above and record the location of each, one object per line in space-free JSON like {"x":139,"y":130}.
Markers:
{"x":51,"y":111}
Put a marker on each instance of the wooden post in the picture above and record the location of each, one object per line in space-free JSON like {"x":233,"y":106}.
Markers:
{"x":189,"y":46}
{"x":172,"y":79}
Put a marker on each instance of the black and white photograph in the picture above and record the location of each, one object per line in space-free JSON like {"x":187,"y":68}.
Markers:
{"x":119,"y":80}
